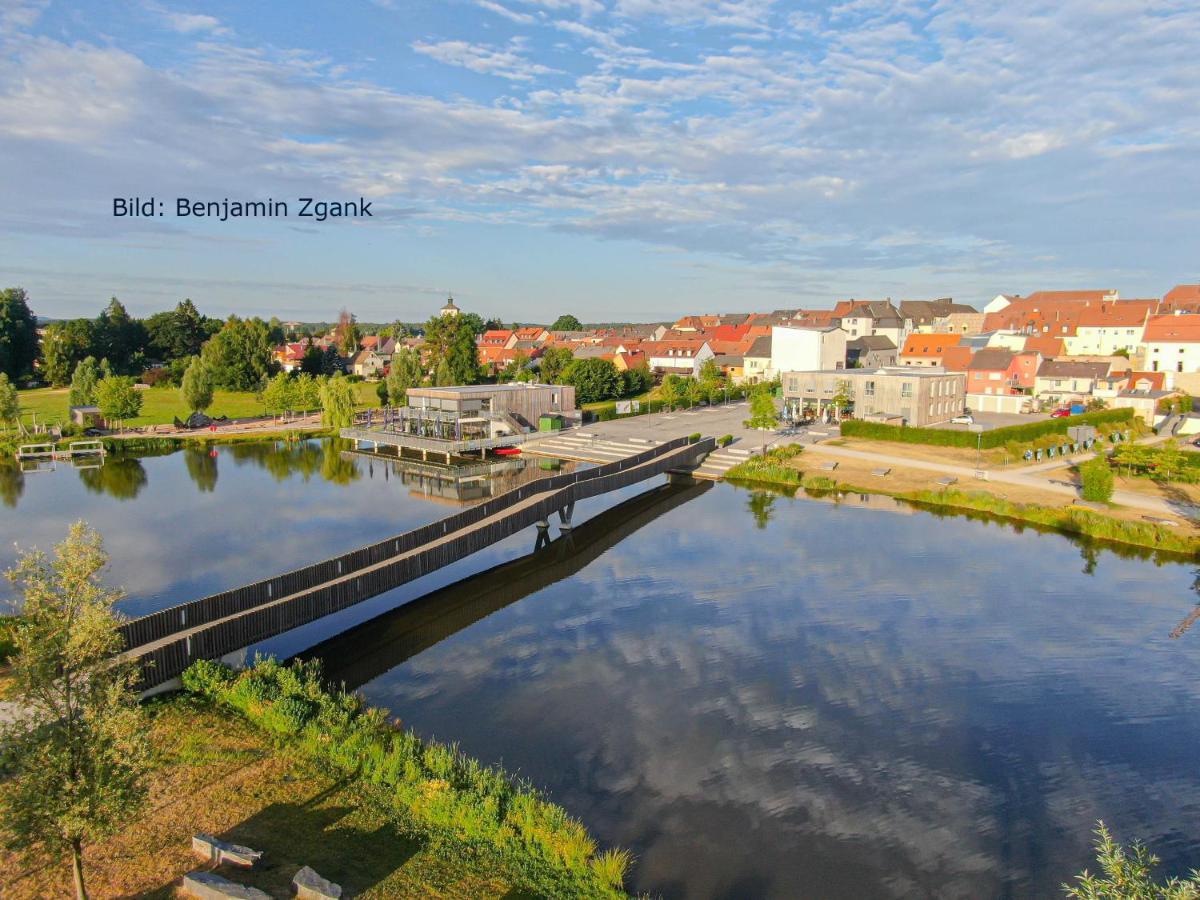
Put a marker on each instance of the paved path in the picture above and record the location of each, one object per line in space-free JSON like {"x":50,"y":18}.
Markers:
{"x":1153,"y":505}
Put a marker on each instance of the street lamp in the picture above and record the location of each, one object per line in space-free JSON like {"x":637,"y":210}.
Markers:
{"x":978,"y":429}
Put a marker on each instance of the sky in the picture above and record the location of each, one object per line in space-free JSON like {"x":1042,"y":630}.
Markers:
{"x":614,"y":159}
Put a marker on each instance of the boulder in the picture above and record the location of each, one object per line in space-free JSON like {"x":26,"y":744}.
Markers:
{"x":215,"y":851}
{"x":208,"y":886}
{"x":308,"y":885}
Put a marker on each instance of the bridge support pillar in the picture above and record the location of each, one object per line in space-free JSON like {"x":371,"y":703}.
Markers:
{"x":677,"y":477}
{"x":564,"y":516}
{"x":543,"y":535}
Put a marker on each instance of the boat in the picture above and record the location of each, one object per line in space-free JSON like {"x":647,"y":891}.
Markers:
{"x":507,"y":451}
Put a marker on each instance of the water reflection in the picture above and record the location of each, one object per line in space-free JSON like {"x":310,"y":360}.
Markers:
{"x":12,"y":485}
{"x":121,"y":477}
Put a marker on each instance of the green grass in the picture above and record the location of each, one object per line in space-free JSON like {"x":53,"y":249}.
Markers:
{"x":769,"y":468}
{"x":161,"y":405}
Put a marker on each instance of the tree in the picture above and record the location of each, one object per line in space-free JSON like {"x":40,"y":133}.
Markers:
{"x":346,"y":335}
{"x":553,"y":363}
{"x":179,"y":333}
{"x":18,"y":334}
{"x":566,"y":323}
{"x":404,"y":374}
{"x":121,"y":339}
{"x":310,"y":363}
{"x":843,"y":396}
{"x":474,"y":321}
{"x":79,"y":752}
{"x":278,"y":395}
{"x":239,"y":355}
{"x":196,"y":389}
{"x":10,"y":403}
{"x":674,"y":391}
{"x":1167,"y":459}
{"x":594,"y":379}
{"x":763,"y":416}
{"x":337,"y":402}
{"x":1127,"y":875}
{"x":636,"y":380}
{"x":515,"y":369}
{"x":117,"y":398}
{"x":64,"y":345}
{"x":83,"y":382}
{"x":306,"y":392}
{"x":1097,"y":479}
{"x":451,"y":340}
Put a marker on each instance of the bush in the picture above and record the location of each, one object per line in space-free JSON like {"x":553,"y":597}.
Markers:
{"x":693,"y":437}
{"x":725,"y":440}
{"x":8,"y":643}
{"x":997,"y":437}
{"x":1097,"y":479}
{"x":207,"y":678}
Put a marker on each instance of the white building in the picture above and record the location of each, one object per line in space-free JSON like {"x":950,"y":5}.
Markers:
{"x":1172,"y":343}
{"x":806,"y":349}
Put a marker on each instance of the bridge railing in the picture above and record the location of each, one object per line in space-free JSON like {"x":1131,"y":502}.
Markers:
{"x":162,"y":624}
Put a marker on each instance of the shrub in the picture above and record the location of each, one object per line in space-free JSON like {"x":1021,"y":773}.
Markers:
{"x":693,"y":437}
{"x":725,"y":440}
{"x":997,"y":437}
{"x":207,"y":678}
{"x":8,"y":644}
{"x":1097,"y":479}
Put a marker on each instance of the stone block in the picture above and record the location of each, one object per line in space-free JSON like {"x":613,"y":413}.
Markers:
{"x":216,"y":851}
{"x":209,"y":886}
{"x":308,"y":885}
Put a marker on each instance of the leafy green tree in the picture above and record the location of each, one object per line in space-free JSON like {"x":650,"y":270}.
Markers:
{"x":63,"y":346}
{"x":83,"y":382}
{"x":337,"y":402}
{"x":179,"y":333}
{"x":674,"y":391}
{"x":10,"y":403}
{"x":78,"y":754}
{"x":637,"y":380}
{"x":404,"y":373}
{"x":553,"y":363}
{"x":18,"y":334}
{"x":1128,"y":875}
{"x":313,"y":357}
{"x":1167,"y":459}
{"x":239,"y":355}
{"x":121,"y":339}
{"x":516,"y":367}
{"x":594,"y":379}
{"x":763,"y":416}
{"x":196,"y":389}
{"x":117,"y":398}
{"x":1097,"y":478}
{"x":442,"y":376}
{"x":278,"y":395}
{"x":566,"y":323}
{"x":275,"y":333}
{"x":451,"y":340}
{"x":474,"y":321}
{"x":843,"y":396}
{"x":306,"y":393}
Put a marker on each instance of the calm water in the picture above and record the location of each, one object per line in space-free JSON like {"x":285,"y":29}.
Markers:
{"x":760,"y":696}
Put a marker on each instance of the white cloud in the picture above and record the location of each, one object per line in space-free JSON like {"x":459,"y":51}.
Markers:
{"x":505,"y":63}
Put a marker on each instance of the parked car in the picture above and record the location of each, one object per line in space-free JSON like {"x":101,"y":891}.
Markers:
{"x":964,"y":419}
{"x":1060,"y":413}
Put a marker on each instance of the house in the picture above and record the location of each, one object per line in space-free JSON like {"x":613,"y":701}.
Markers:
{"x":289,"y":356}
{"x":677,"y":357}
{"x":1066,"y":380}
{"x":732,"y":366}
{"x":918,"y":396}
{"x":924,"y":314}
{"x":756,"y":362}
{"x":995,"y":370}
{"x":873,"y":352}
{"x":494,"y":337}
{"x":927,"y":349}
{"x":1109,"y":328}
{"x":532,"y":334}
{"x":804,"y":349}
{"x":367,"y":363}
{"x":1172,"y":343}
{"x":1181,"y":298}
{"x":630,"y":359}
{"x":697,"y":323}
{"x":866,"y":318}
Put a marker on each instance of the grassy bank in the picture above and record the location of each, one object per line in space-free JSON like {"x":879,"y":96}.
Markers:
{"x":218,"y":773}
{"x":1071,"y":520}
{"x":769,"y":468}
{"x":445,"y":794}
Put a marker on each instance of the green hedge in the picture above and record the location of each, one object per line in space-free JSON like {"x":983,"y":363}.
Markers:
{"x":997,"y":437}
{"x":440,"y":788}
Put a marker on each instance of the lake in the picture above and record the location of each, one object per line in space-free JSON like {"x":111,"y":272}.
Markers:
{"x":759,"y":696}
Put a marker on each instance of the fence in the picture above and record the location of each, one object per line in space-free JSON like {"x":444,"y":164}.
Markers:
{"x":245,"y":615}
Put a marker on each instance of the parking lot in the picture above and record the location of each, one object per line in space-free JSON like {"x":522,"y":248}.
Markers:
{"x":990,"y":420}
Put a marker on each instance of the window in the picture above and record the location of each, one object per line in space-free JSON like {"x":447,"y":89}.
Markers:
{"x":869,"y":389}
{"x":906,"y":390}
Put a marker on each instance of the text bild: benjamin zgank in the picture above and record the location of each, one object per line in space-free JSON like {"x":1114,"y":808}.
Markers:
{"x":226,"y":209}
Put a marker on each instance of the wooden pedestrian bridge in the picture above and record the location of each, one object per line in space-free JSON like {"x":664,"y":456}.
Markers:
{"x":168,"y":641}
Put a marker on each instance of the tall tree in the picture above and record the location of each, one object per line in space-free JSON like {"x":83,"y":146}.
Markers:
{"x":553,"y":363}
{"x":63,"y":345}
{"x":121,"y":339}
{"x":346,"y":335}
{"x":118,"y":398}
{"x":179,"y":333}
{"x":405,"y":373}
{"x":474,"y":321}
{"x":566,"y":323}
{"x":83,"y":382}
{"x":763,"y":416}
{"x":10,"y":403}
{"x":79,"y":751}
{"x":239,"y":355}
{"x":196,"y":389}
{"x":278,"y":396}
{"x":594,"y":379}
{"x":451,"y":340}
{"x":337,"y":402}
{"x":18,"y":334}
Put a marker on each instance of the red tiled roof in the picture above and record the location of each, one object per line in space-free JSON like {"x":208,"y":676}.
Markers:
{"x":929,"y":344}
{"x":1156,"y":380}
{"x":956,"y":359}
{"x":1172,"y":329}
{"x":1119,"y":314}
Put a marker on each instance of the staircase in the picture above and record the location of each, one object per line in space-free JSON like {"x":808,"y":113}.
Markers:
{"x":720,"y":461}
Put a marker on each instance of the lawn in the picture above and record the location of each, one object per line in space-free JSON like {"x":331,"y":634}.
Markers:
{"x":216,"y":773}
{"x":161,"y":405}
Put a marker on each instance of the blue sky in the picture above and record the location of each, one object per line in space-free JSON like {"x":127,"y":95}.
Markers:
{"x":619,"y":159}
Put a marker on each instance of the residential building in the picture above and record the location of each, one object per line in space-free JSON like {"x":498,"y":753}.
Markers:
{"x":872,"y":352}
{"x":1107,"y":328}
{"x":367,"y":364}
{"x":1181,"y":298}
{"x":802,"y":349}
{"x":677,"y":357}
{"x":1067,"y":380}
{"x":756,"y":363}
{"x":995,"y":370}
{"x":1172,"y":343}
{"x":924,"y":314}
{"x":928,"y":350}
{"x":917,"y":396}
{"x":866,"y":318}
{"x":959,"y":323}
{"x":732,"y":366}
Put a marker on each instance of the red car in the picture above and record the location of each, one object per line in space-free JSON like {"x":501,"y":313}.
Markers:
{"x":1060,"y":414}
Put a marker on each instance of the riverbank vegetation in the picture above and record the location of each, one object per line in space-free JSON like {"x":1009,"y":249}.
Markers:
{"x":1129,"y":875}
{"x":771,"y":467}
{"x":436,"y":787}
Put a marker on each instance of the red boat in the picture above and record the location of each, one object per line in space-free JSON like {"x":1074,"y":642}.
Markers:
{"x":507,"y":451}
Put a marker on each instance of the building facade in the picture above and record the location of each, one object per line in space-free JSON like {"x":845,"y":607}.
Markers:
{"x":918,"y":396}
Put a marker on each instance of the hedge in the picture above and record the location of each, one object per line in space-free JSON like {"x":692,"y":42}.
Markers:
{"x":997,"y":437}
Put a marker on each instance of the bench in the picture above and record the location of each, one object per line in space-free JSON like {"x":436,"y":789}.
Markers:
{"x":208,"y":886}
{"x":881,"y":472}
{"x":215,"y":851}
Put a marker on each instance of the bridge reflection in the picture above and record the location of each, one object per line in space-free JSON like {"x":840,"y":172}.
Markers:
{"x":372,"y":648}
